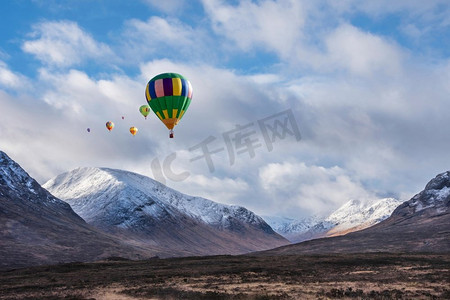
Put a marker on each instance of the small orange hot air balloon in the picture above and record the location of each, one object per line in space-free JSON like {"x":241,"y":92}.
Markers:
{"x":133,"y":130}
{"x":109,"y":125}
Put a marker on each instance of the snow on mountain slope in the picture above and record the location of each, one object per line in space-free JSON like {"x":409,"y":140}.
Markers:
{"x":289,"y":227}
{"x":82,"y":185}
{"x":119,"y":200}
{"x":91,"y":191}
{"x":357,"y":215}
{"x":16,"y":183}
{"x":353,"y":215}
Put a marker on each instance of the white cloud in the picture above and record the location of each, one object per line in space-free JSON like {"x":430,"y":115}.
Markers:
{"x":363,"y":53}
{"x":64,"y":43}
{"x":164,"y":37}
{"x":158,"y":30}
{"x":10,"y":79}
{"x":270,"y":25}
{"x":314,"y":189}
{"x":224,"y":190}
{"x":76,"y":94}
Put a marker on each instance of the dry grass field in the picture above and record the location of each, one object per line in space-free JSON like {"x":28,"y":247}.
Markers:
{"x":349,"y":276}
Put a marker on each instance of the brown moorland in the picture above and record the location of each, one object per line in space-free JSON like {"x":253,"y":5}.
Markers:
{"x":345,"y":276}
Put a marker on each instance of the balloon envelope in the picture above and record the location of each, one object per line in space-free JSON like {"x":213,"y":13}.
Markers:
{"x":109,"y":125}
{"x":88,"y":130}
{"x":169,"y":96}
{"x":145,"y":110}
{"x":133,"y":130}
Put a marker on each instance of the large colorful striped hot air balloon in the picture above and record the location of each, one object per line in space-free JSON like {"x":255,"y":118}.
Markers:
{"x":169,"y":96}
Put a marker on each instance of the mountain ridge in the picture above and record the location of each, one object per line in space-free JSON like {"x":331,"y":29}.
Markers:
{"x":354,"y":215}
{"x":136,"y":206}
{"x":421,"y":224}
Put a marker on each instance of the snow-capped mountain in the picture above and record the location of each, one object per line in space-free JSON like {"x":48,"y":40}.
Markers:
{"x":356,"y":215}
{"x":37,"y":228}
{"x":291,"y":228}
{"x":140,"y":208}
{"x":352,"y":216}
{"x":421,"y":224}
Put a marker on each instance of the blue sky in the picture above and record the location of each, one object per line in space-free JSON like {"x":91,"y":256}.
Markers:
{"x":366,"y":83}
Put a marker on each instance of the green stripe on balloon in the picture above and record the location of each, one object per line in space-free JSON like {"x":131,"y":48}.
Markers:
{"x":186,"y":104}
{"x":169,"y":104}
{"x":167,"y":75}
{"x":178,"y":104}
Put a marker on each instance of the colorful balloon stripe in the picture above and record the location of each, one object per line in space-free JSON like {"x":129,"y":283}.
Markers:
{"x":168,"y":87}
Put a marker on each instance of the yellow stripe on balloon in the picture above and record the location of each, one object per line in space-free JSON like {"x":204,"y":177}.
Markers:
{"x":174,"y":113}
{"x":148,"y":94}
{"x":165,"y":113}
{"x":181,"y":114}
{"x":176,"y":85}
{"x":159,"y":115}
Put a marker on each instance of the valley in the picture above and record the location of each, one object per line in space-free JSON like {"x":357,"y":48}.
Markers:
{"x":345,"y":276}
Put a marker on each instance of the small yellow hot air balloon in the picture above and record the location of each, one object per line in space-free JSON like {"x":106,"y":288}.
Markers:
{"x":109,"y":125}
{"x":133,"y":130}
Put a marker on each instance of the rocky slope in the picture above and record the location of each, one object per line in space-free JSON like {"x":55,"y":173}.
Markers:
{"x":37,"y":228}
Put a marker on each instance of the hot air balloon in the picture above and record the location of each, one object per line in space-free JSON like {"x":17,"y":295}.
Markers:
{"x":169,"y":96}
{"x":145,"y":110}
{"x":109,"y":125}
{"x":123,"y":117}
{"x":133,"y":130}
{"x":88,"y":130}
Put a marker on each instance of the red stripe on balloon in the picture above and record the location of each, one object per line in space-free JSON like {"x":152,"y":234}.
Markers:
{"x":159,"y":88}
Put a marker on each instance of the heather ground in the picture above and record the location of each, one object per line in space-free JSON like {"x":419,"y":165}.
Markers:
{"x":357,"y":276}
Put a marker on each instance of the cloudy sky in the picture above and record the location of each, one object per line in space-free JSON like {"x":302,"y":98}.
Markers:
{"x":298,"y":106}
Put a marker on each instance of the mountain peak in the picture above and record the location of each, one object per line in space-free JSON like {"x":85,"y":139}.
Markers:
{"x":440,"y":182}
{"x":81,"y":184}
{"x":353,"y":215}
{"x":434,"y":199}
{"x":14,"y":180}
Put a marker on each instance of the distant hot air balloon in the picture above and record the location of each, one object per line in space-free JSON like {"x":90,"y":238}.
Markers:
{"x":133,"y":130}
{"x":88,"y":130}
{"x":123,"y":117}
{"x":109,"y":125}
{"x":145,"y":110}
{"x":169,"y":96}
